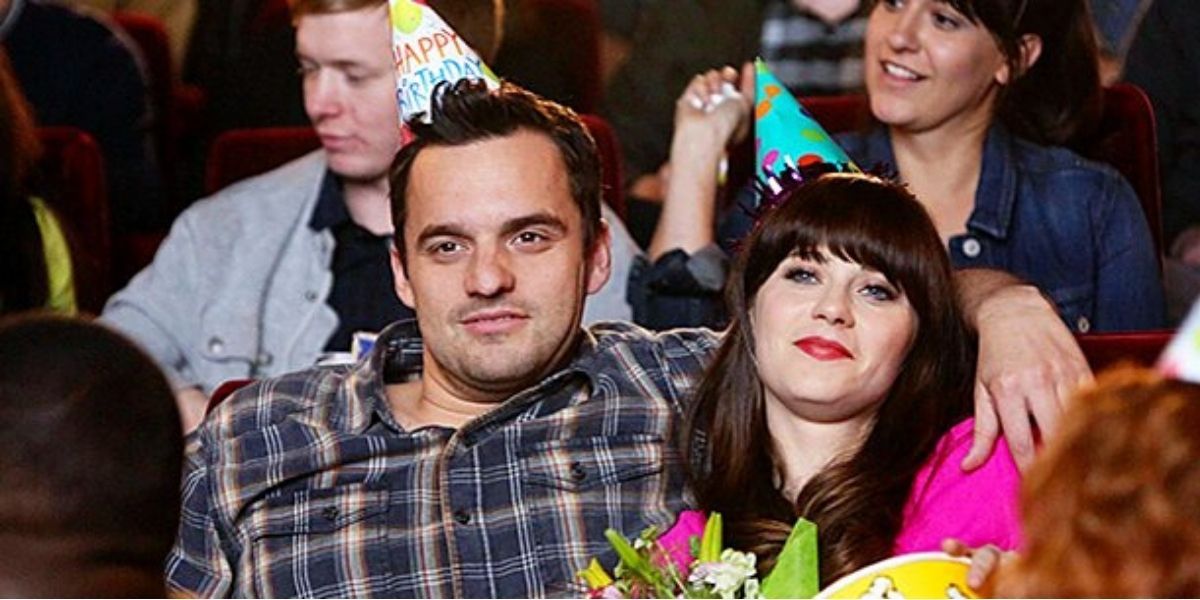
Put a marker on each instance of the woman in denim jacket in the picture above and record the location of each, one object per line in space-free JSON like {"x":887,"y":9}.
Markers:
{"x":972,"y":99}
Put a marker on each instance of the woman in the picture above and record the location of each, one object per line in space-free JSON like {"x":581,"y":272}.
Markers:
{"x":35,"y":261}
{"x":842,"y":389}
{"x":972,"y":100}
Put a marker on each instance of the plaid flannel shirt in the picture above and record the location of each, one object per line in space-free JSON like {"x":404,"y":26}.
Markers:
{"x":305,"y":485}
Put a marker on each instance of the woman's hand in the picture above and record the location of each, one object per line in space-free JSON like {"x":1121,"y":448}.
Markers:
{"x":714,"y":110}
{"x":710,"y":114}
{"x":985,"y":560}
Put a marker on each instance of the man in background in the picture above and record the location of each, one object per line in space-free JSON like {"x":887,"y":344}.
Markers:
{"x":278,"y":272}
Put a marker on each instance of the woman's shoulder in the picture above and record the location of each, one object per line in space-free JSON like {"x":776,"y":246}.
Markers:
{"x":1036,"y":160}
{"x":977,"y":506}
{"x":943,"y":467}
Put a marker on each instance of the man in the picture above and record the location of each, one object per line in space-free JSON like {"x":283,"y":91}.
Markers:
{"x":271,"y":274}
{"x":90,"y":454}
{"x":482,"y":450}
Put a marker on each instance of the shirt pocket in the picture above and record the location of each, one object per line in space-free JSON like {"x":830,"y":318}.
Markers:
{"x":576,"y":488}
{"x":1076,"y":305}
{"x":325,"y":542}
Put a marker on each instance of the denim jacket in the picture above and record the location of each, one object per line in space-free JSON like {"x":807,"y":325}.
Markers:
{"x":1072,"y":227}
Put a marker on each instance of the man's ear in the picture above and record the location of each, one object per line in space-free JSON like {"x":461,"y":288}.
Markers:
{"x":1030,"y":48}
{"x":600,"y":259}
{"x":400,"y":276}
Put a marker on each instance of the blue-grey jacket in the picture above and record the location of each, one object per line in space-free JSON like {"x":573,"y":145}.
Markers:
{"x":239,"y":287}
{"x":1071,"y":226}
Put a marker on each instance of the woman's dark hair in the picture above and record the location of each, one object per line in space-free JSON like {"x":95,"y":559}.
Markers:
{"x":857,"y":501}
{"x":1058,"y":99}
{"x":23,"y":279}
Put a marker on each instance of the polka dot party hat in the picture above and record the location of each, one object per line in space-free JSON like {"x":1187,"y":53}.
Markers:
{"x":789,"y":143}
{"x":427,"y":51}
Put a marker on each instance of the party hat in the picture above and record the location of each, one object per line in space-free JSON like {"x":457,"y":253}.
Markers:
{"x":427,"y":52}
{"x":788,"y":141}
{"x":1181,"y":358}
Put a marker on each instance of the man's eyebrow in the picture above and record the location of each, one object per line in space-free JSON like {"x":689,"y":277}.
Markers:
{"x":441,"y":230}
{"x":542,"y":219}
{"x":341,"y":64}
{"x":456,"y":230}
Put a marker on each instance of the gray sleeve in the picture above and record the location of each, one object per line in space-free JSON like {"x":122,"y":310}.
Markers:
{"x":610,"y":304}
{"x":159,"y":309}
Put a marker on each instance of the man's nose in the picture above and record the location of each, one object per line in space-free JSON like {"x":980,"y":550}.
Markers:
{"x":322,"y":96}
{"x":489,"y":273}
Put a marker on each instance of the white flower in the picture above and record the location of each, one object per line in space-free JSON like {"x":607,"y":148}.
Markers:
{"x":726,"y":577}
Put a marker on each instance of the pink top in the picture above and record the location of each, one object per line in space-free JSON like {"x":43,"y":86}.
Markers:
{"x":979,"y":507}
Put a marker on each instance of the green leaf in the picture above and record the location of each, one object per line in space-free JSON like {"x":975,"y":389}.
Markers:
{"x":797,"y":571}
{"x":711,"y":543}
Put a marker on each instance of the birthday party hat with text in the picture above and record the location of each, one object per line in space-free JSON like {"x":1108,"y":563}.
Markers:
{"x":427,"y":51}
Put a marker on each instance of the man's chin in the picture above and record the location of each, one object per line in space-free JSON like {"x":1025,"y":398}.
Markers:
{"x":353,"y":170}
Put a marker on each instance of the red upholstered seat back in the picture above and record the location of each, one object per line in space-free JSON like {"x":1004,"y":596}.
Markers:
{"x":242,"y":153}
{"x":1106,"y":349}
{"x":72,"y":174}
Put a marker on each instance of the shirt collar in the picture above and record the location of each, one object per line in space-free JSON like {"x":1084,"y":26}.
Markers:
{"x":398,"y":355}
{"x":995,"y":196}
{"x":330,"y":210}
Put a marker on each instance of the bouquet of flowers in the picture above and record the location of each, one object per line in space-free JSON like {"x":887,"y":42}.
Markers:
{"x":681,"y":564}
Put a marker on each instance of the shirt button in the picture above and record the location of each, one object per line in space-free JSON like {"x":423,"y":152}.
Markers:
{"x":578,"y":473}
{"x":216,"y":345}
{"x":462,"y":516}
{"x":1083,"y":325}
{"x":971,"y":247}
{"x":330,"y":513}
{"x":310,"y":295}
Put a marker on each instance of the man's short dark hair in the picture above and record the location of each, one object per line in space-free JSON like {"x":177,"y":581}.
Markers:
{"x":91,"y":447}
{"x":467,"y":111}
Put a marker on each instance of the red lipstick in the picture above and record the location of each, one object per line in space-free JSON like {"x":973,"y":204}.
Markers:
{"x":823,"y":348}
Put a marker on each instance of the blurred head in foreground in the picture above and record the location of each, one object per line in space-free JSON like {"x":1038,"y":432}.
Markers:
{"x":90,"y":460}
{"x":1112,"y":507}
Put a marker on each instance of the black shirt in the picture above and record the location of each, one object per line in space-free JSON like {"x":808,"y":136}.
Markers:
{"x":363,"y":294}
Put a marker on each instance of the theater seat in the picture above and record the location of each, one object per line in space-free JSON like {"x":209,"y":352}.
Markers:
{"x":177,"y":106}
{"x":224,"y":391}
{"x":242,"y":153}
{"x":552,"y":48}
{"x":1107,"y":349}
{"x":72,"y":173}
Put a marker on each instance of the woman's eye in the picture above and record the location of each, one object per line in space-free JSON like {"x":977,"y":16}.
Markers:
{"x":801,"y":275}
{"x":892,"y":4}
{"x":947,"y":21}
{"x":881,"y":293}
